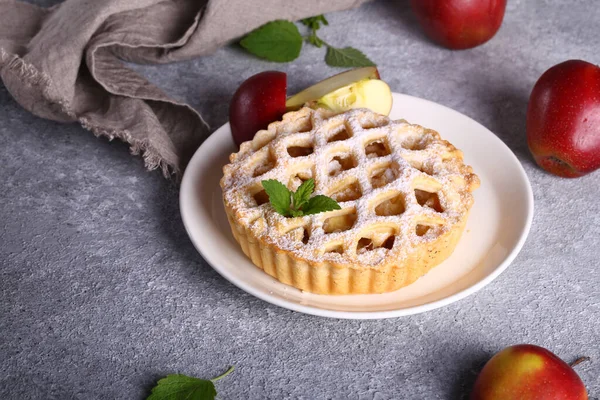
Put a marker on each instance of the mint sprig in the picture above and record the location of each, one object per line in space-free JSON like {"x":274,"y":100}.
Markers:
{"x":179,"y":387}
{"x":280,"y":41}
{"x":298,"y":203}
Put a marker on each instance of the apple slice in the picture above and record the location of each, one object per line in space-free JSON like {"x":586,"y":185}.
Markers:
{"x":258,"y":101}
{"x":373,"y":94}
{"x":355,"y":88}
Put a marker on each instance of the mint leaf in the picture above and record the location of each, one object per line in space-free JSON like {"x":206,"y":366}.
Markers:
{"x":182,"y":387}
{"x":302,"y":194}
{"x":175,"y":387}
{"x":278,"y":41}
{"x":320,"y":203}
{"x":346,"y":57}
{"x":279,"y":196}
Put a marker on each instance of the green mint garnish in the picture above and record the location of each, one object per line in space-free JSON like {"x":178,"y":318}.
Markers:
{"x":176,"y":387}
{"x":298,"y":203}
{"x":347,"y":57}
{"x":279,"y":196}
{"x":280,"y":41}
{"x":302,"y":195}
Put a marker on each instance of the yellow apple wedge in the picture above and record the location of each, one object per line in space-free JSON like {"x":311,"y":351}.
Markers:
{"x":373,"y":94}
{"x":356,"y":88}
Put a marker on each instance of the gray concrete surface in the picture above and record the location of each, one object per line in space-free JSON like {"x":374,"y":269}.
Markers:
{"x":102,"y":293}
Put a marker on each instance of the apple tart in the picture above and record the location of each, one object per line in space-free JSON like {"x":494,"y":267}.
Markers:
{"x":404,"y":194}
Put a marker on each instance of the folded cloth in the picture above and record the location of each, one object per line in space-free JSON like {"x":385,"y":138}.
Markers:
{"x":65,"y":62}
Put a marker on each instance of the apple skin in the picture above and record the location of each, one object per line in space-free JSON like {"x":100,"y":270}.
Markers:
{"x":258,"y":101}
{"x":459,"y":24}
{"x":563,"y":119}
{"x":527,"y":372}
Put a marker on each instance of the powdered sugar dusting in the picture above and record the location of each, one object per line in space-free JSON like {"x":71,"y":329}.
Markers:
{"x":371,"y":165}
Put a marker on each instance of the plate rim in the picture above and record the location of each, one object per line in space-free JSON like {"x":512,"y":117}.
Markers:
{"x":187,"y":184}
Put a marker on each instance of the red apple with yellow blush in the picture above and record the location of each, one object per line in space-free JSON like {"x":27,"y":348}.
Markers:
{"x":527,"y":372}
{"x":563,"y":119}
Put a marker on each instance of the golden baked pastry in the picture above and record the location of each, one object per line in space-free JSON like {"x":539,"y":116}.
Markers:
{"x":405,"y":196}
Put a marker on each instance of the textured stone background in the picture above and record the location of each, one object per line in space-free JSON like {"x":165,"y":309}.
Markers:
{"x":102,"y":293}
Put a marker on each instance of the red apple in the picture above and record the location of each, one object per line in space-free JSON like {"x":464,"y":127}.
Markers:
{"x":460,"y":24}
{"x":563,"y":119}
{"x":527,"y":372}
{"x":258,"y":101}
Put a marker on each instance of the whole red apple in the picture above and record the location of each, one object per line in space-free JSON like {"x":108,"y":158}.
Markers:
{"x":258,"y":101}
{"x":563,"y":119}
{"x":527,"y":372}
{"x":460,"y":24}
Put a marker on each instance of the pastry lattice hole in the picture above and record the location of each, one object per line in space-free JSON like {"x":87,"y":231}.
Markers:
{"x":366,"y":244}
{"x":300,"y":151}
{"x":261,"y":197}
{"x":391,"y":206}
{"x":342,"y":134}
{"x":384,"y":175}
{"x":389,"y":242}
{"x":377,"y":148}
{"x":334,"y":248}
{"x":426,"y":168}
{"x":339,"y":223}
{"x":347,"y":193}
{"x":298,"y":179}
{"x":297,"y":233}
{"x":341,"y":163}
{"x":428,"y":199}
{"x":417,"y":163}
{"x":416,"y":142}
{"x":305,"y":235}
{"x":265,"y":165}
{"x":422,"y":229}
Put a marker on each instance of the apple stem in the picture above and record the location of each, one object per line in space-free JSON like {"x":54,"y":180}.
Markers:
{"x":579,"y":361}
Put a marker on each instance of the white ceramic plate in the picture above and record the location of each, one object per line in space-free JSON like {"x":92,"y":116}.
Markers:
{"x":497,"y":228}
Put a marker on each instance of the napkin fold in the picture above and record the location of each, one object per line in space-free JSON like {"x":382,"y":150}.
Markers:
{"x":67,"y":62}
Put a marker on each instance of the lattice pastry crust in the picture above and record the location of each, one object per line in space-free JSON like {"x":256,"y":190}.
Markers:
{"x":405,"y":195}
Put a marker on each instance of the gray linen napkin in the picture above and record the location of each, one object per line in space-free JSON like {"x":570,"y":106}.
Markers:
{"x":65,"y":62}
